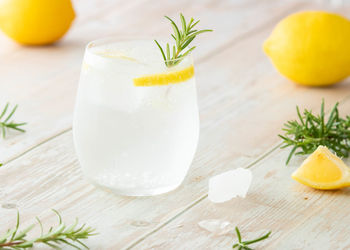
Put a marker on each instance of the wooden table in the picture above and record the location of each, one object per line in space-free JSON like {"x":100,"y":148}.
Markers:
{"x":243,"y":104}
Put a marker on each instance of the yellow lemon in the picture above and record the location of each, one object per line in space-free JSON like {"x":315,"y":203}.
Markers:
{"x":311,"y":48}
{"x":36,"y":22}
{"x":165,"y":78}
{"x":323,"y":170}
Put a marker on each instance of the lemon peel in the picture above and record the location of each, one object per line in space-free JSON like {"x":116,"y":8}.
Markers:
{"x":165,"y":78}
{"x":36,"y":22}
{"x":311,"y":48}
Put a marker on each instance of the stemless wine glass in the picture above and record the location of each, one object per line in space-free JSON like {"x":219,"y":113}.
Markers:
{"x":134,"y":140}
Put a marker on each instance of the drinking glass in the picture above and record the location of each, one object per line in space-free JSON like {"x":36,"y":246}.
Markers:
{"x":134,"y":140}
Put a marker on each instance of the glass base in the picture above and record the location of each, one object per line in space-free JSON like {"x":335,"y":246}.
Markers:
{"x":136,"y":191}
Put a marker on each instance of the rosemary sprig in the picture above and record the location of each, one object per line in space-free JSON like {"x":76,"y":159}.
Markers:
{"x":5,"y":122}
{"x":183,"y":37}
{"x":60,"y":235}
{"x":243,"y":245}
{"x":311,"y":131}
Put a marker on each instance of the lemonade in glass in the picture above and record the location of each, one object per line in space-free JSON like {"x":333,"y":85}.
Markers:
{"x":136,"y":121}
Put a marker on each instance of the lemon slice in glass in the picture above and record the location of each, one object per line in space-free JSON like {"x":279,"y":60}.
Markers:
{"x":165,"y":78}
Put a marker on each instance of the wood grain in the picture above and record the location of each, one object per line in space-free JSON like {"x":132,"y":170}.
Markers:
{"x":243,"y":103}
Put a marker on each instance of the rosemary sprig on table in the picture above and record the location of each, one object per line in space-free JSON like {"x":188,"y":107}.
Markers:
{"x":6,"y":123}
{"x":244,"y":245}
{"x":183,"y":37}
{"x":60,"y":235}
{"x":311,"y":131}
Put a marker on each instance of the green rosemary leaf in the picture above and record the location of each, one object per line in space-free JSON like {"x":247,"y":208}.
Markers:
{"x":70,"y":244}
{"x":15,"y":126}
{"x":244,"y":244}
{"x":11,"y":114}
{"x":161,"y":49}
{"x":73,"y":226}
{"x":167,"y":52}
{"x":41,"y":226}
{"x":183,"y":22}
{"x":6,"y":235}
{"x":334,"y":114}
{"x":248,"y":242}
{"x":188,"y":42}
{"x":192,"y":26}
{"x":16,"y":228}
{"x":58,"y":215}
{"x":300,"y":117}
{"x":174,"y":52}
{"x":200,"y":32}
{"x":51,"y":245}
{"x":189,"y":24}
{"x":188,"y":51}
{"x":175,"y":28}
{"x":81,"y":243}
{"x":291,"y":154}
{"x":322,"y":120}
{"x":23,"y":245}
{"x":192,"y":31}
{"x":238,"y":234}
{"x":4,"y":110}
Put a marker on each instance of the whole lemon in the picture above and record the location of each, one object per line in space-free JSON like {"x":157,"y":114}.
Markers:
{"x":311,"y":48}
{"x":36,"y":22}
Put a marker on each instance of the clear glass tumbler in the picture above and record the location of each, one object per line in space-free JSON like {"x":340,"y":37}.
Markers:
{"x":135,"y":140}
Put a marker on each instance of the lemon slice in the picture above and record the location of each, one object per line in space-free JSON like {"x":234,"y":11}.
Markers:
{"x":115,"y":54}
{"x":323,"y":170}
{"x":165,"y":78}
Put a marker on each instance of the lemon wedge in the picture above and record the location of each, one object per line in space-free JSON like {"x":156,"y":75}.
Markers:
{"x":323,"y":170}
{"x":165,"y":78}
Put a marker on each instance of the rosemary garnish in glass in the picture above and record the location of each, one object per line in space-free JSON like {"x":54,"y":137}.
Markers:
{"x":243,"y":245}
{"x":54,"y":238}
{"x":311,"y":131}
{"x":5,"y":122}
{"x":183,"y":37}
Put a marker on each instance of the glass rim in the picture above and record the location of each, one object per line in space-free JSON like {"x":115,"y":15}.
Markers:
{"x":127,"y":38}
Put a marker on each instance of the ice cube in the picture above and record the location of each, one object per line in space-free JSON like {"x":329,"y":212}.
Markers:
{"x":216,"y":227}
{"x":230,"y":184}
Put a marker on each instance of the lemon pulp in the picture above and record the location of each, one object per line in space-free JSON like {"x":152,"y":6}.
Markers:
{"x":323,"y":170}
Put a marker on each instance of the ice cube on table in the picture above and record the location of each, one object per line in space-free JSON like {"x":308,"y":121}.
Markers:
{"x":230,"y":184}
{"x":216,"y":227}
